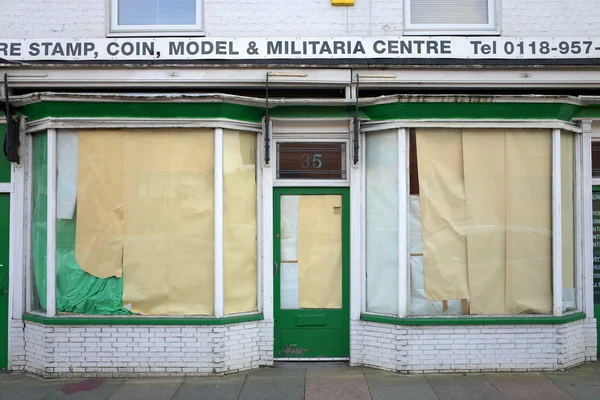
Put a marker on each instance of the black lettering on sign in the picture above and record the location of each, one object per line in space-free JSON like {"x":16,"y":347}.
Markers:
{"x":275,"y":47}
{"x":88,"y":47}
{"x":10,"y":49}
{"x":176,"y":48}
{"x":73,"y":49}
{"x":34,"y":49}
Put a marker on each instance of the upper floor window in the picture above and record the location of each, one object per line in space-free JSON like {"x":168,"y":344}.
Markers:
{"x":155,"y":17}
{"x":449,"y":17}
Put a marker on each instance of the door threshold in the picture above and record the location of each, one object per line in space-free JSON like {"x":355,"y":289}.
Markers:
{"x":312,"y":359}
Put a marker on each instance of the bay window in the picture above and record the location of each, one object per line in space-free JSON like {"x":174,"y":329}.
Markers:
{"x":481,"y":205}
{"x":135,"y":222}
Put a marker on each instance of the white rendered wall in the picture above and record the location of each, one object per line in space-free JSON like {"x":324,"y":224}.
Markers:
{"x":86,"y":18}
{"x":472,"y":348}
{"x":150,"y":350}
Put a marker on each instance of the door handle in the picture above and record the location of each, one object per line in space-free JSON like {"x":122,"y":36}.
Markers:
{"x":275,"y":268}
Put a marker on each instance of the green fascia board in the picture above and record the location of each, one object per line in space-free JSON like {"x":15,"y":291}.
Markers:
{"x":466,"y":110}
{"x":4,"y":163}
{"x":137,"y":320}
{"x":82,"y":109}
{"x":378,"y":112}
{"x":591,"y":111}
{"x":315,"y":112}
{"x":541,"y":320}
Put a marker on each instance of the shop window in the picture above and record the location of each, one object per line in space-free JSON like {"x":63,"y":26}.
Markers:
{"x":481,"y":222}
{"x":382,"y":208}
{"x":135,"y":219}
{"x":479,"y":219}
{"x":167,"y":17}
{"x":449,"y":17}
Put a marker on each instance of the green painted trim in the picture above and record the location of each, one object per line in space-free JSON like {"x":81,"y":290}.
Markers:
{"x":475,"y":320}
{"x":135,"y":320}
{"x":591,"y":111}
{"x":315,"y":112}
{"x":509,"y":111}
{"x":5,"y":166}
{"x":83,"y":109}
{"x":378,"y":112}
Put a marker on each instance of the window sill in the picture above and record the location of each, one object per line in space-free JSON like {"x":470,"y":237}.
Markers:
{"x":509,"y":320}
{"x":155,"y":34}
{"x":450,"y":32}
{"x":137,"y":320}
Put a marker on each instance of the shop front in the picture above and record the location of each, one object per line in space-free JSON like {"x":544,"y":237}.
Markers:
{"x":199,"y":220}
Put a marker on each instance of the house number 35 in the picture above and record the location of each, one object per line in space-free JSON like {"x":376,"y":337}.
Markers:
{"x":314,"y":163}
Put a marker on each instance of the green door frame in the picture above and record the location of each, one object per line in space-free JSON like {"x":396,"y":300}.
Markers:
{"x":339,"y":317}
{"x":4,"y":249}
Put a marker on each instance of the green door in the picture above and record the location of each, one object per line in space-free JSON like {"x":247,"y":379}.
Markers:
{"x":4,"y":232}
{"x":311,"y":266}
{"x":596,"y":230}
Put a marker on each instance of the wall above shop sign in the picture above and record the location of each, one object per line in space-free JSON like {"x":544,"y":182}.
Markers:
{"x":299,"y":48}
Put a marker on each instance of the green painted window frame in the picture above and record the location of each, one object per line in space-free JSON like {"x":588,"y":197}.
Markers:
{"x":510,"y":320}
{"x":139,"y":320}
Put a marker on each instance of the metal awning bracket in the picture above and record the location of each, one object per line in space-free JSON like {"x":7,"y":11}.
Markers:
{"x":356,"y":126}
{"x":11,"y":137}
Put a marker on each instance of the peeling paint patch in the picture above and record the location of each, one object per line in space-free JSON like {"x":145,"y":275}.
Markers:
{"x":293,"y":350}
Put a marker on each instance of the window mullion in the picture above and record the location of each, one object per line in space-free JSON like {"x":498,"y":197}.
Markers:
{"x":556,"y":225}
{"x":51,"y":226}
{"x":218,"y":221}
{"x":402,"y":223}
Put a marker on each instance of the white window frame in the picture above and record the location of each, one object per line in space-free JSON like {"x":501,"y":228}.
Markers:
{"x":116,"y":30}
{"x":218,"y":310}
{"x":491,"y":28}
{"x":403,"y":180}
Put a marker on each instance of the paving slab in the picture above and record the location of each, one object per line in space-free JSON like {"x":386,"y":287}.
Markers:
{"x":148,"y":389}
{"x":345,"y":370}
{"x":274,"y":384}
{"x":582,"y":383}
{"x":336,"y":383}
{"x":87,"y":389}
{"x":22,"y":386}
{"x":209,"y":388}
{"x":527,"y":386}
{"x":391,"y":386}
{"x":461,"y":387}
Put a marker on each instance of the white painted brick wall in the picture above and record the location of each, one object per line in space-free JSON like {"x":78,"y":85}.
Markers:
{"x":17,"y":345}
{"x":128,"y":351}
{"x":472,"y":348}
{"x":86,"y":18}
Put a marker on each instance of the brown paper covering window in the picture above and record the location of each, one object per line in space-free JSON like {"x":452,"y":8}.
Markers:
{"x":157,"y":187}
{"x":485,"y":200}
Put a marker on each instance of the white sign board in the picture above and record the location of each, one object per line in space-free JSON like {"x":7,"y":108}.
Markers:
{"x":478,"y":48}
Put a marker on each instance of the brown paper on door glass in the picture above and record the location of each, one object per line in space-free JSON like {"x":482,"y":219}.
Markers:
{"x":239,"y":222}
{"x":443,"y":216}
{"x":319,"y":252}
{"x":99,"y":225}
{"x":567,"y":151}
{"x":168,"y":222}
{"x":528,"y":221}
{"x":484,"y":169}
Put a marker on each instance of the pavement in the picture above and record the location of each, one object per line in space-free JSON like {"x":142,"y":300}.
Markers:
{"x":312,"y":381}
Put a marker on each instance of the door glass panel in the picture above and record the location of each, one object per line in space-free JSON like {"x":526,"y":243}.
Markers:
{"x":311,"y":251}
{"x":302,"y":160}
